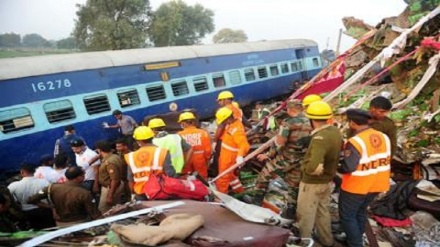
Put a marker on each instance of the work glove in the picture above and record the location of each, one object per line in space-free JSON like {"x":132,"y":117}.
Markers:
{"x":319,"y":170}
{"x":239,"y":160}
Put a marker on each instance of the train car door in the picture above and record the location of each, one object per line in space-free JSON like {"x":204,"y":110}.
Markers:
{"x":302,"y":65}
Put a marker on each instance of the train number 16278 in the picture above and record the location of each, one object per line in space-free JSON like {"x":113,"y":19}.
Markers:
{"x":51,"y":85}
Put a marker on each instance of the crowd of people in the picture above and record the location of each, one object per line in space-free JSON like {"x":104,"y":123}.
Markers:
{"x":78,"y":184}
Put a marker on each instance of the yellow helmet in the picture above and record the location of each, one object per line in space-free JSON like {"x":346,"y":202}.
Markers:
{"x":223,"y":114}
{"x":310,"y":99}
{"x":156,"y":123}
{"x":225,"y":95}
{"x":186,"y":116}
{"x":319,"y":110}
{"x":235,"y":103}
{"x":143,"y":133}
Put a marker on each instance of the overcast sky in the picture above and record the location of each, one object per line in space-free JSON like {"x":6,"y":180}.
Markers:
{"x":319,"y":20}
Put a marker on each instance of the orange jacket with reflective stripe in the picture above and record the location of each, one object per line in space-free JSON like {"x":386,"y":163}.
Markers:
{"x":373,"y":171}
{"x":236,"y":111}
{"x":234,"y":140}
{"x":142,"y":162}
{"x":199,"y":139}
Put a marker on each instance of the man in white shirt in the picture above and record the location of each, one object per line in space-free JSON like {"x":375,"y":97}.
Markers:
{"x":28,"y":186}
{"x":46,"y":171}
{"x":89,"y":161}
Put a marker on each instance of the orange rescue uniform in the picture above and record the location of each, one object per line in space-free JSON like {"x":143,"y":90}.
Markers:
{"x":200,"y":141}
{"x":234,"y":144}
{"x":373,"y":171}
{"x":236,"y":112}
{"x":143,"y":162}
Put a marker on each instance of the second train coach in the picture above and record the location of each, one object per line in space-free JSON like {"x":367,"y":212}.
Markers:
{"x":40,"y":95}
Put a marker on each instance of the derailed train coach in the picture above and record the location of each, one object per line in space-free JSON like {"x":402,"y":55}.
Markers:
{"x":40,"y":95}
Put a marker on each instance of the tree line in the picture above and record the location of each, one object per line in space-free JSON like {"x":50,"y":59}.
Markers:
{"x":126,"y":24}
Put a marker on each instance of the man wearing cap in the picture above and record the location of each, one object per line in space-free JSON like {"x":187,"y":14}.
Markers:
{"x":126,"y":124}
{"x":366,"y":172}
{"x":200,"y":142}
{"x":234,"y":147}
{"x":88,"y":160}
{"x":317,"y":171}
{"x":72,"y":203}
{"x":283,"y":158}
{"x":146,"y":160}
{"x":62,"y":145}
{"x":180,"y":151}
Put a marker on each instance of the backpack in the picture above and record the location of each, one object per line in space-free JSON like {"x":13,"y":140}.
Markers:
{"x":164,"y":187}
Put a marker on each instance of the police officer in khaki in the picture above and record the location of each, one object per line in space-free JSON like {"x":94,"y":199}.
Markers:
{"x":111,"y":177}
{"x":318,"y":169}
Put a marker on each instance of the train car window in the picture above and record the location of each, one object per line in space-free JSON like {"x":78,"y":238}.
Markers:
{"x":15,"y":120}
{"x":156,"y":93}
{"x":249,"y":74}
{"x":200,"y":84}
{"x":219,"y":80}
{"x":128,"y":97}
{"x":315,"y":62}
{"x":96,"y":104}
{"x":284,"y":68}
{"x":274,"y":70}
{"x":300,"y":66}
{"x":234,"y":77}
{"x":59,"y":111}
{"x":180,"y":88}
{"x":294,"y":66}
{"x":262,"y":72}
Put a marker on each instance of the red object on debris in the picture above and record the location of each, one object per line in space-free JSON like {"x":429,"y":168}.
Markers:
{"x":430,"y":42}
{"x":389,"y":222}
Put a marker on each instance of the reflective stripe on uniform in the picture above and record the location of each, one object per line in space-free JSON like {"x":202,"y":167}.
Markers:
{"x":365,"y":159}
{"x":225,"y":146}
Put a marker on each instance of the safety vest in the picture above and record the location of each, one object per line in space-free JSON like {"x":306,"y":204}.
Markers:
{"x":199,"y":139}
{"x":373,"y":171}
{"x":172,"y":142}
{"x":234,"y":140}
{"x":144,"y":161}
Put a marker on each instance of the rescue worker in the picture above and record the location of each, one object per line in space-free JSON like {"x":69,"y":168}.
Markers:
{"x":200,"y":141}
{"x":122,"y":149}
{"x":62,"y":145}
{"x":283,"y":158}
{"x":317,"y":171}
{"x":146,"y":160}
{"x":111,"y":177}
{"x":234,"y":147}
{"x":366,"y":172}
{"x":89,"y":161}
{"x":46,"y":170}
{"x":71,"y":202}
{"x":259,"y":113}
{"x":379,"y":108}
{"x":126,"y":124}
{"x":180,"y":151}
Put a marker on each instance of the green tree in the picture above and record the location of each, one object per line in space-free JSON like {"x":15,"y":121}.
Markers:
{"x":10,"y":40}
{"x":176,"y":23}
{"x":67,"y":43}
{"x":227,"y":35}
{"x":34,"y":40}
{"x":112,"y":24}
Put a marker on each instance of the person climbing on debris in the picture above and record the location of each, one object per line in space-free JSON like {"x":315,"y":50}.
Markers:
{"x":200,"y":141}
{"x":366,"y":172}
{"x":180,"y":151}
{"x":146,"y":160}
{"x":233,"y":149}
{"x":283,"y":159}
{"x":317,"y":172}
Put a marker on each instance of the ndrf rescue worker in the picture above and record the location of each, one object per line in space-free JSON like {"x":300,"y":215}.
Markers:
{"x":180,"y":151}
{"x":146,"y":160}
{"x":233,"y":149}
{"x":200,"y":141}
{"x":366,"y":172}
{"x":318,"y":169}
{"x":283,"y":159}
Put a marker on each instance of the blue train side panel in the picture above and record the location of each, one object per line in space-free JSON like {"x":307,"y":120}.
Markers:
{"x":189,"y":77}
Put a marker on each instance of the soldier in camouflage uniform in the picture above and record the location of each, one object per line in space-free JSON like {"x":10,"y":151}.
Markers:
{"x":283,"y":158}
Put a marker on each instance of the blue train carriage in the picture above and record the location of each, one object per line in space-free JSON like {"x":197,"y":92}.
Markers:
{"x":41,"y":95}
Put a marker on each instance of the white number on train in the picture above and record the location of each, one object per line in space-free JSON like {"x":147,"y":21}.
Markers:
{"x":51,"y":85}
